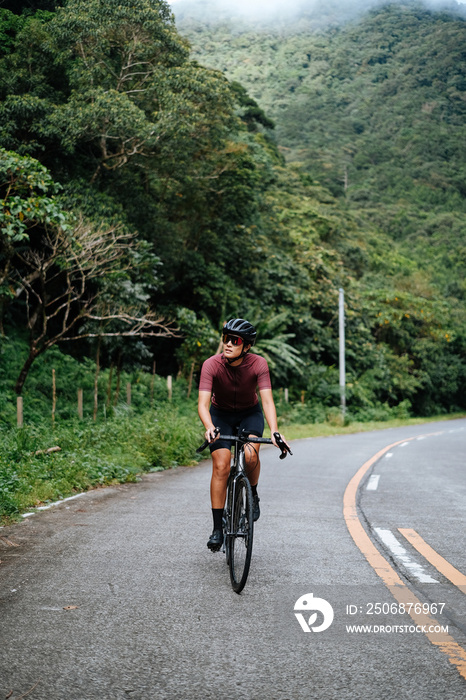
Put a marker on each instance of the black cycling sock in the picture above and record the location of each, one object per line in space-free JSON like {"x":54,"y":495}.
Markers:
{"x":254,"y":490}
{"x":217,"y":514}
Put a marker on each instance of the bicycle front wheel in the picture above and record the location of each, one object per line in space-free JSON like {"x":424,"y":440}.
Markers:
{"x":241,"y":536}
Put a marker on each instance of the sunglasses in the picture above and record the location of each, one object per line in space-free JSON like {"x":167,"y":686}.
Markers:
{"x":233,"y":339}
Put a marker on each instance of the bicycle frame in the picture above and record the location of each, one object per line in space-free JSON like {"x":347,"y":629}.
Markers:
{"x":236,"y":471}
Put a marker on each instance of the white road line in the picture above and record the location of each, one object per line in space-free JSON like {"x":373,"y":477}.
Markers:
{"x":373,"y":482}
{"x":388,"y":455}
{"x":400,"y":553}
{"x":56,"y":503}
{"x":403,"y":444}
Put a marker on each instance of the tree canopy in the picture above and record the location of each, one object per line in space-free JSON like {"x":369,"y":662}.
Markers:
{"x":300,"y":161}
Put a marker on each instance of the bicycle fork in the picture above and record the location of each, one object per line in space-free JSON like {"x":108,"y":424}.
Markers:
{"x":228,"y":512}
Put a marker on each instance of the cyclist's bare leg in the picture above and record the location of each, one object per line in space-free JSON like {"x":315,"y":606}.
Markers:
{"x":253,"y":464}
{"x":221,"y":459}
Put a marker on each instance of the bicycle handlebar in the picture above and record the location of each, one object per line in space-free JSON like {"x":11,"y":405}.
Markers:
{"x":245,"y":438}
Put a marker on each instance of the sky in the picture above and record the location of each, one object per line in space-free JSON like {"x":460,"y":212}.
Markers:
{"x":243,"y":5}
{"x":248,"y":7}
{"x":269,"y":12}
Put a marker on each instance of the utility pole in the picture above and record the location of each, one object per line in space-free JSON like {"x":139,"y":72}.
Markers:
{"x":341,"y":324}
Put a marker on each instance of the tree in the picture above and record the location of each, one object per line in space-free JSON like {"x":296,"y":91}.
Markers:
{"x":116,"y":55}
{"x":65,"y":282}
{"x":273,"y":343}
{"x":28,"y":199}
{"x":159,"y":134}
{"x":19,"y":6}
{"x":69,"y":278}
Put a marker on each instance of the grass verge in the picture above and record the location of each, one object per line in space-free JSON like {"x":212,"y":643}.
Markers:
{"x":39,"y":465}
{"x":305,"y":430}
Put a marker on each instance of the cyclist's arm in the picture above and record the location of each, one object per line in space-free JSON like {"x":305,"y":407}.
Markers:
{"x":203,"y":407}
{"x":270,"y":412}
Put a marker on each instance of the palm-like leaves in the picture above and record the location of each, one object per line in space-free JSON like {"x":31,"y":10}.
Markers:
{"x":273,"y":343}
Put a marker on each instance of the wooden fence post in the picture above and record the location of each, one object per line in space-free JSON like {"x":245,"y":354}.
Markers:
{"x":19,"y":411}
{"x":190,"y":380}
{"x":286,"y":395}
{"x":109,"y":386}
{"x":152,"y":385}
{"x":170,"y":386}
{"x":54,"y":397}
{"x":96,"y":378}
{"x":80,"y":404}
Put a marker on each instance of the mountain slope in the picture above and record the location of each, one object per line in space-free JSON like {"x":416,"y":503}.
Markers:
{"x":389,"y":88}
{"x":373,"y":110}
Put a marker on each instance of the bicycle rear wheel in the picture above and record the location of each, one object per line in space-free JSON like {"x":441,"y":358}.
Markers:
{"x":241,"y":535}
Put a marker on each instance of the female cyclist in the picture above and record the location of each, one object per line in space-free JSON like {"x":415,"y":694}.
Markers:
{"x":228,"y":400}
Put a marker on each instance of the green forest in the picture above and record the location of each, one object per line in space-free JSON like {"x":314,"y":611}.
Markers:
{"x":162,"y":174}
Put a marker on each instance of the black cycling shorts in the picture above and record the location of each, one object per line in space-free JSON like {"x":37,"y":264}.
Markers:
{"x":232,"y":423}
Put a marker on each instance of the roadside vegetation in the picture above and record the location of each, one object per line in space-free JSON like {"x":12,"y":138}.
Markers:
{"x":51,"y":458}
{"x":40,"y":464}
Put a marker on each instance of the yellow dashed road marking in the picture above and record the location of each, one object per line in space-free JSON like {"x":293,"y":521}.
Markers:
{"x":455,"y":653}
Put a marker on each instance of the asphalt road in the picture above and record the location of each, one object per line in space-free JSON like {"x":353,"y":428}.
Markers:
{"x":114,"y":595}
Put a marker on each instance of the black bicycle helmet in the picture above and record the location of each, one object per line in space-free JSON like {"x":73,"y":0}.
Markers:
{"x":238,"y":326}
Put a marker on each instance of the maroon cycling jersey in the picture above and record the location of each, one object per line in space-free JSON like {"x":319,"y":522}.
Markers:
{"x":235,"y":388}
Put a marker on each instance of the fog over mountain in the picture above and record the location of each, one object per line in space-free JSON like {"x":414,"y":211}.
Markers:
{"x":269,"y":10}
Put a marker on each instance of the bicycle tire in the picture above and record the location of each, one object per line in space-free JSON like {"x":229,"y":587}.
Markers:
{"x":226,"y":537}
{"x":241,"y":535}
{"x":226,"y":520}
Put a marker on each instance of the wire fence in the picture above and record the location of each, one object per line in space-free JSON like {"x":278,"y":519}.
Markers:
{"x":87,"y":404}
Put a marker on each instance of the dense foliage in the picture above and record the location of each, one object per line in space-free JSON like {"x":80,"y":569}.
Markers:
{"x":372,"y":110}
{"x":313,"y":159}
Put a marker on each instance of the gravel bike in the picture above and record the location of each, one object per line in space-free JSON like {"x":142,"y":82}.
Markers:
{"x":238,"y":522}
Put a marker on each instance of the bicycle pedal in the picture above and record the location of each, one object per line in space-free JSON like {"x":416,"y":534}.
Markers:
{"x":215,"y":548}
